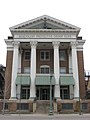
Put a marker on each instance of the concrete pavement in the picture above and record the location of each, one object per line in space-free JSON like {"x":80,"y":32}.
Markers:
{"x":44,"y":117}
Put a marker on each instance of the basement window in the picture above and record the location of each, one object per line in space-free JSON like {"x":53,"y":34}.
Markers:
{"x":22,"y":106}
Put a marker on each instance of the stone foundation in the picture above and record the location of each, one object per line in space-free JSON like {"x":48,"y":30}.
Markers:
{"x":60,"y":106}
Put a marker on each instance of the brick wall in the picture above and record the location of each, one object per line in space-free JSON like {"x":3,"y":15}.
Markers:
{"x":81,"y":74}
{"x":8,"y":73}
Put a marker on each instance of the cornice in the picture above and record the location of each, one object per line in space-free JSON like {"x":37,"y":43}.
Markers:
{"x":44,"y":30}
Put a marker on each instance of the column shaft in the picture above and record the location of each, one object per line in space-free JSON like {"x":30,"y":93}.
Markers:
{"x":33,"y":70}
{"x":56,"y":69}
{"x":75,"y":70}
{"x":14,"y":70}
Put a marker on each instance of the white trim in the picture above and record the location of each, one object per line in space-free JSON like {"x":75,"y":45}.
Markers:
{"x":45,"y":66}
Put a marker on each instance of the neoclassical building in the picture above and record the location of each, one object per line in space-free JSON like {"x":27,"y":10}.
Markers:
{"x":40,"y":52}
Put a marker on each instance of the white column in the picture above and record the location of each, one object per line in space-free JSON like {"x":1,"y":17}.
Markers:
{"x":14,"y":70}
{"x":33,"y":69}
{"x":71,"y":91}
{"x":70,"y":62}
{"x":19,"y":61}
{"x":75,"y":69}
{"x":18,"y":91}
{"x":56,"y":69}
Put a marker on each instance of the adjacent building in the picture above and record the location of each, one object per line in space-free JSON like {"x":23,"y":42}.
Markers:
{"x":2,"y":80}
{"x":42,"y":52}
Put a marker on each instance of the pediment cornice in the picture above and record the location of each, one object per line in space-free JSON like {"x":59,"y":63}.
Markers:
{"x":44,"y":23}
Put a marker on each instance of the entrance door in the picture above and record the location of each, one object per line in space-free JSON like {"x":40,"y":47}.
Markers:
{"x":44,"y":95}
{"x":43,"y":92}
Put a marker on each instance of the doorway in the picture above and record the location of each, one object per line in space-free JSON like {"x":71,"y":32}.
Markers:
{"x":43,"y":92}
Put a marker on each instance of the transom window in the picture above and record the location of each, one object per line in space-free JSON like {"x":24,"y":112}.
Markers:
{"x":27,"y":55}
{"x":44,"y":55}
{"x":62,"y":55}
{"x":45,"y":69}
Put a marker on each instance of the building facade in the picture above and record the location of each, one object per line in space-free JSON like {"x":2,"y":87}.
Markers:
{"x":42,"y":52}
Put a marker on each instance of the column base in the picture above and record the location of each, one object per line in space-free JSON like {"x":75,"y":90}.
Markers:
{"x":32,"y":99}
{"x":76,"y":98}
{"x":57,"y":91}
{"x":13,"y":98}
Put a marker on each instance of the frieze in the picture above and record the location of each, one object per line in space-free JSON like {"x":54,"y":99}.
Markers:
{"x":45,"y":36}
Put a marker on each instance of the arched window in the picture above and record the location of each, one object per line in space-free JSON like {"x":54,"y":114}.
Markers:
{"x":45,"y":69}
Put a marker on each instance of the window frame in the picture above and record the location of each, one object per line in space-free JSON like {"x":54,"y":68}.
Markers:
{"x":44,"y":67}
{"x":29,"y":56}
{"x":25,"y":92}
{"x":45,"y":59}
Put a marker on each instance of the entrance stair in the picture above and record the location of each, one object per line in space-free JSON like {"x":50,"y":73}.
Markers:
{"x":42,"y":106}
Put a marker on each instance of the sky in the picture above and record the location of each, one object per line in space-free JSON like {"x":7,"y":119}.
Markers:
{"x":75,"y":12}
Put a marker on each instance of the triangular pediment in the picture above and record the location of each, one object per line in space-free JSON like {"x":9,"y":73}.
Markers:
{"x":45,"y":22}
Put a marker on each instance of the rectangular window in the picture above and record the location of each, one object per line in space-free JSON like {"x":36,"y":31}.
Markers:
{"x":84,"y":106}
{"x":62,"y":55}
{"x":67,"y":106}
{"x":25,"y":92}
{"x":62,"y":70}
{"x":44,"y":55}
{"x":64,"y":91}
{"x":22,"y":106}
{"x":6,"y":106}
{"x":27,"y":55}
{"x":44,"y":70}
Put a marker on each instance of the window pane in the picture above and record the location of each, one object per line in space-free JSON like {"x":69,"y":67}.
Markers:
{"x":47,"y":70}
{"x":27,"y":55}
{"x":62,"y":55}
{"x":47,"y":55}
{"x":42,"y":55}
{"x":44,"y":70}
{"x":25,"y":92}
{"x":22,"y":106}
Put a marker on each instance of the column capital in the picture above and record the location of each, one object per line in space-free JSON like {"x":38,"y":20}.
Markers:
{"x":74,"y":44}
{"x":33,"y":43}
{"x":15,"y":43}
{"x":56,"y":43}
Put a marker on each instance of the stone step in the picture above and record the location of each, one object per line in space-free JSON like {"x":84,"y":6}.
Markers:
{"x":42,"y":107}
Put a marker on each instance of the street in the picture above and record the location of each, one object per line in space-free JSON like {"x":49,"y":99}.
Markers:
{"x":44,"y":117}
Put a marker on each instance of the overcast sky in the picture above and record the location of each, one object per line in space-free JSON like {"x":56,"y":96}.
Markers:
{"x":75,"y":12}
